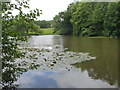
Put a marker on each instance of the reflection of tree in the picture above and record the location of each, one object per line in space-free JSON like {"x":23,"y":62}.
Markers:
{"x":98,"y":70}
{"x":105,"y":67}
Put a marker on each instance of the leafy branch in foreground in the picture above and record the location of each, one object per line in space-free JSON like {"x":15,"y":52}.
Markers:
{"x":13,"y":28}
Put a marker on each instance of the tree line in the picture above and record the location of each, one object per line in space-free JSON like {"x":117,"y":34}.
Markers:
{"x":44,"y":23}
{"x":89,"y":19}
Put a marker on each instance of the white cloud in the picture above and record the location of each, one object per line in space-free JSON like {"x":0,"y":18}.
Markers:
{"x":50,"y":7}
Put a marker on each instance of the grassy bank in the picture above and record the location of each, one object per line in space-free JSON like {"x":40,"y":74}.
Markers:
{"x":43,"y":31}
{"x":47,"y":31}
{"x":33,"y":33}
{"x":99,"y":37}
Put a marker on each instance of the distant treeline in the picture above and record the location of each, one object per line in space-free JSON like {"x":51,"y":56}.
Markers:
{"x":89,"y":19}
{"x":44,"y":23}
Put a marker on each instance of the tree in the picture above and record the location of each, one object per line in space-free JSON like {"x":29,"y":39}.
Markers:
{"x":67,"y":25}
{"x":57,"y":23}
{"x":12,"y":34}
{"x":89,"y":19}
{"x":62,"y":23}
{"x":80,"y":17}
{"x":96,"y":19}
{"x":111,"y":27}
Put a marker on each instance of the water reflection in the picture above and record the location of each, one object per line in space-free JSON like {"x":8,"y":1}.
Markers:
{"x":105,"y":67}
{"x":38,"y":79}
{"x":96,"y":71}
{"x":100,"y":73}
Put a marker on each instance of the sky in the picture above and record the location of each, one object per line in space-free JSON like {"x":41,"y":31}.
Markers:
{"x":49,"y":8}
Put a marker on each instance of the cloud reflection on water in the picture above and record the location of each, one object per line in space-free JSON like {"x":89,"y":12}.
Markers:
{"x":104,"y":66}
{"x":38,"y":79}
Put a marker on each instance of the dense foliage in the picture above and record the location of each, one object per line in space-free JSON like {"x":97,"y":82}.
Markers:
{"x":89,"y":19}
{"x":13,"y":27}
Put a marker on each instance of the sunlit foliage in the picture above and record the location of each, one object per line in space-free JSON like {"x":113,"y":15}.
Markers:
{"x":13,"y":29}
{"x":89,"y":19}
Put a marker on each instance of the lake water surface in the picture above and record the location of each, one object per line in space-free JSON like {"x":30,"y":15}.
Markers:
{"x":102,"y":72}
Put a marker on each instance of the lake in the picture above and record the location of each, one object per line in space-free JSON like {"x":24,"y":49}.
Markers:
{"x":70,"y":70}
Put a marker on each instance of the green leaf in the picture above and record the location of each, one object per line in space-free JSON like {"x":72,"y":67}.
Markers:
{"x":9,"y":13}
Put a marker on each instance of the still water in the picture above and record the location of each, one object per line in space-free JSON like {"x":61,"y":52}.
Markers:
{"x":102,"y":72}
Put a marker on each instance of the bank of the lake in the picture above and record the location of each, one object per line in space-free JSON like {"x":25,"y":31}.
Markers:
{"x":43,"y":31}
{"x":47,"y":31}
